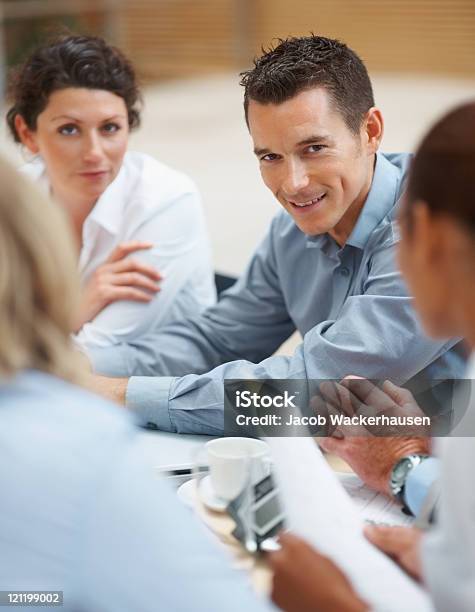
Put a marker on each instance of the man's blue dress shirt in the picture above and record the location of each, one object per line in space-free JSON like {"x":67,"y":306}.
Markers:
{"x":418,"y":482}
{"x":349,"y":303}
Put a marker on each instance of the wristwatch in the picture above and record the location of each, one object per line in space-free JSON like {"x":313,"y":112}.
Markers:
{"x":400,"y":472}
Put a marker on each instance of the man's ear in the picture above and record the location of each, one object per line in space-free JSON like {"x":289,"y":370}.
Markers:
{"x":373,"y":127}
{"x":27,"y":136}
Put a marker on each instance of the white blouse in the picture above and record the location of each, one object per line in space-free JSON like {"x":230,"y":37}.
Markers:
{"x":147,"y":201}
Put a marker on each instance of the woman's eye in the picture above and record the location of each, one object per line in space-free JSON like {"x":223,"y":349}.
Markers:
{"x":68,"y":130}
{"x":110,"y":128}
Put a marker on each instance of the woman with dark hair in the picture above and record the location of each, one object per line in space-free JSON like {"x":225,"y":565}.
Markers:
{"x":75,"y":100}
{"x":437,"y":258}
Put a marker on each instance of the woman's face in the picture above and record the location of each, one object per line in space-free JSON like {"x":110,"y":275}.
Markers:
{"x":82,"y":136}
{"x":429,"y":258}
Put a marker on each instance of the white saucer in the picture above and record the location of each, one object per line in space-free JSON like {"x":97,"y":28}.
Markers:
{"x":209,"y":497}
{"x":186,"y":494}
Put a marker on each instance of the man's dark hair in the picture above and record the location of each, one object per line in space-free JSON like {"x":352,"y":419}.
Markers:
{"x":443,"y":169}
{"x":70,"y":61}
{"x":298,"y":64}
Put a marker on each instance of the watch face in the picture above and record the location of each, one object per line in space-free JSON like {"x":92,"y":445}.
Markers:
{"x":401,"y":469}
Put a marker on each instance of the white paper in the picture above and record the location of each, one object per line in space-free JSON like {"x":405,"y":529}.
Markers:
{"x":319,"y":510}
{"x":374,"y":507}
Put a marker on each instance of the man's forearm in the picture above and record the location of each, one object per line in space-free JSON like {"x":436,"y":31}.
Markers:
{"x":113,"y":389}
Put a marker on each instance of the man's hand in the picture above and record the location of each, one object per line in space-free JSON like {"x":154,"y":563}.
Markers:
{"x":373,"y":459}
{"x":361,"y":397}
{"x":402,"y":544}
{"x":371,"y":456}
{"x":119,"y":278}
{"x":305,"y":581}
{"x":113,"y":389}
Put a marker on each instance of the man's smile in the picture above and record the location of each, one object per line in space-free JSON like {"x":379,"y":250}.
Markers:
{"x":308,"y":205}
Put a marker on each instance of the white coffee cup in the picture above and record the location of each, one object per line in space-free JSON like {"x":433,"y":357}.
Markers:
{"x":233,"y":462}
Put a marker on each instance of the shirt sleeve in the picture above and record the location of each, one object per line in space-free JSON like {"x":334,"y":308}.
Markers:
{"x":141,"y":549}
{"x":376,"y":335}
{"x":418,"y":483}
{"x":182,"y":256}
{"x":250,"y":321}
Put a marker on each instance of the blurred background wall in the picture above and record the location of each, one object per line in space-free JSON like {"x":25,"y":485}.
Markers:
{"x":178,"y":38}
{"x":183,"y":37}
{"x":188,"y":53}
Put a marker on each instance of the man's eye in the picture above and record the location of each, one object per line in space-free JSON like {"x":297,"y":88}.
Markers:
{"x":110,"y":128}
{"x":315,"y":148}
{"x":270,"y":157}
{"x":68,"y":130}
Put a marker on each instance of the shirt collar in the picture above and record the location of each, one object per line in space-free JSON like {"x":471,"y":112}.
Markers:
{"x":380,"y":200}
{"x":108,"y":210}
{"x":325,"y":243}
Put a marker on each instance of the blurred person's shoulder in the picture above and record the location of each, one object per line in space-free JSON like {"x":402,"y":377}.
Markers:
{"x":46,"y":412}
{"x":65,"y":455}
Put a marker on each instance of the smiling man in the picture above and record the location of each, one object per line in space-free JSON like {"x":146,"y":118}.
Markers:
{"x":326,"y":267}
{"x":315,"y":159}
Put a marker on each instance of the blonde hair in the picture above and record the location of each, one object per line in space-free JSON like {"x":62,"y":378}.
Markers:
{"x":39,"y":287}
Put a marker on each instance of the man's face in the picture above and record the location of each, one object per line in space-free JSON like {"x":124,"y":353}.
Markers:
{"x":312,"y":162}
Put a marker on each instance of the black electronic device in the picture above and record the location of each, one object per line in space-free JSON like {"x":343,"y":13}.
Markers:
{"x":260,"y":518}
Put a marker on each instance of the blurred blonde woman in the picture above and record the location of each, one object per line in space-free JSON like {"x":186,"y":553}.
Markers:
{"x":39,"y":289}
{"x":80,"y":512}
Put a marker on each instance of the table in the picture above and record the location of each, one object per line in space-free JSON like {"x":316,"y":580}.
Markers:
{"x":166,"y":451}
{"x":171,"y":451}
{"x":174,"y":453}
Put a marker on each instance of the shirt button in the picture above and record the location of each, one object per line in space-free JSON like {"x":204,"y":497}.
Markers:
{"x":344,"y":271}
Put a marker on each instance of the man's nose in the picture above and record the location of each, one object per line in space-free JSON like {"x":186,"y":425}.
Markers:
{"x":296,"y":178}
{"x":93,"y":150}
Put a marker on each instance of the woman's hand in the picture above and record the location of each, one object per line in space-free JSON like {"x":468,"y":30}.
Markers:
{"x":401,"y":544}
{"x":305,"y":581}
{"x":119,"y":278}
